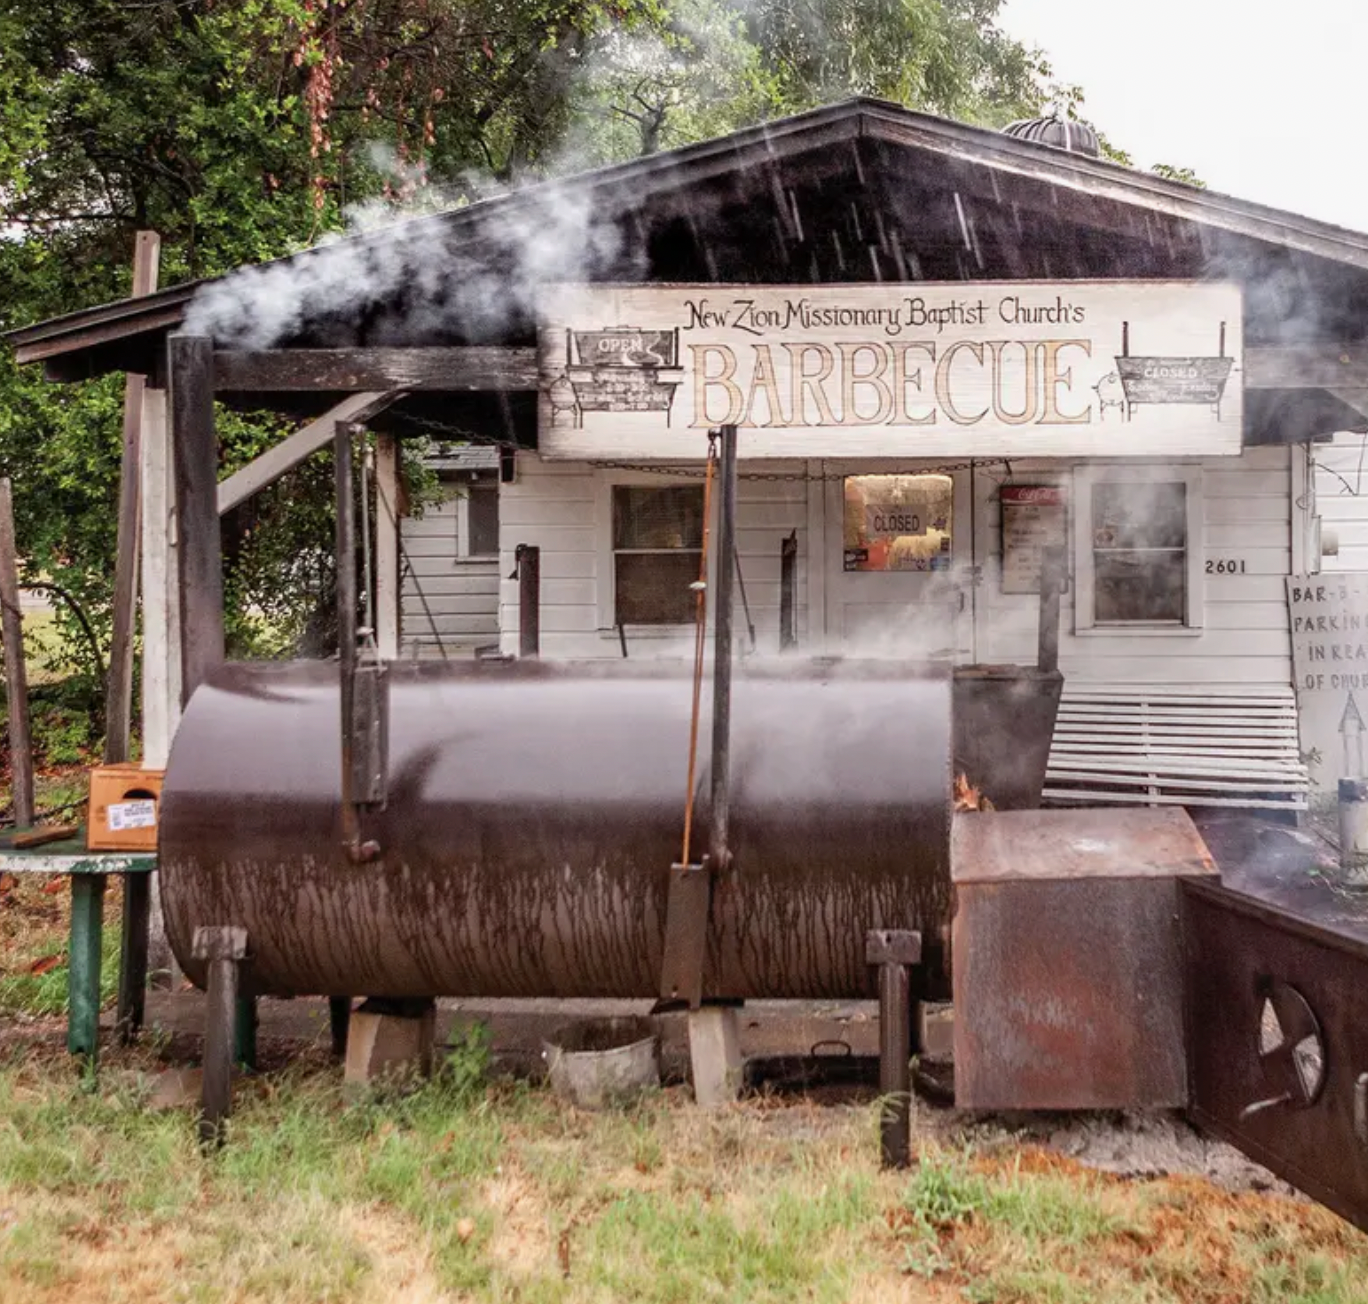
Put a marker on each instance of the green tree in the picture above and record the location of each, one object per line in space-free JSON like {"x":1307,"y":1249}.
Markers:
{"x":246,"y":129}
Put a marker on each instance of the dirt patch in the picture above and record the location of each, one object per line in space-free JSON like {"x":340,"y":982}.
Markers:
{"x":521,"y":1242}
{"x":402,"y":1271}
{"x":1137,"y":1145}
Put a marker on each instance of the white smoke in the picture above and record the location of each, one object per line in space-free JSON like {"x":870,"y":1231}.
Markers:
{"x":396,"y":278}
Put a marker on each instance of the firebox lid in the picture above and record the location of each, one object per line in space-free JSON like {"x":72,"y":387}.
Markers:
{"x":1043,"y":845}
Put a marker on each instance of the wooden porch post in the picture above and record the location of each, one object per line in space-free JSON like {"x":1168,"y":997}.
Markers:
{"x":387,"y":506}
{"x":160,"y":587}
{"x":194,"y":444}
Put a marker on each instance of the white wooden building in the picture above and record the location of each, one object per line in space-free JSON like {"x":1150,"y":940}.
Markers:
{"x":450,"y":559}
{"x":1175,"y":639}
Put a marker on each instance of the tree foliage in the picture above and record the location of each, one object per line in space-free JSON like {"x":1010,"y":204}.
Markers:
{"x":243,"y":129}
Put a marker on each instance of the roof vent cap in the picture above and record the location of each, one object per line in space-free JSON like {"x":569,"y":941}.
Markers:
{"x":1076,"y":137}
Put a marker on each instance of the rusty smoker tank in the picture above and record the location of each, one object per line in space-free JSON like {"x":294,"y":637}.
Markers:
{"x":533,"y":813}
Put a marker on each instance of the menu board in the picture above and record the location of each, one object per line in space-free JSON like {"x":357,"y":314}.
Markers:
{"x":1032,"y":519}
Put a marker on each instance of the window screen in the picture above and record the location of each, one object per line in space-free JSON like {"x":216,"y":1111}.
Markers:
{"x":1140,"y":553}
{"x":657,"y":543}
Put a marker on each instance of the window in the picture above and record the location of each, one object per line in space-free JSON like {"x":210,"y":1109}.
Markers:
{"x":477,"y":520}
{"x":897,"y":522}
{"x":657,"y":544}
{"x":1138,"y":533}
{"x":482,"y":507}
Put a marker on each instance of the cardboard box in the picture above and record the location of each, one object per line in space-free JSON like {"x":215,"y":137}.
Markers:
{"x":125,"y":803}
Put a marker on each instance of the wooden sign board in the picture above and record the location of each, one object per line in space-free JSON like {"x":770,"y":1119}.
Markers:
{"x":1032,"y":520}
{"x":1004,"y":369}
{"x":1329,"y":618}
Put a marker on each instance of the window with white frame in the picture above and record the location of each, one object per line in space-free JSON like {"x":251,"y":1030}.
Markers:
{"x":1138,"y":536}
{"x":657,"y":546}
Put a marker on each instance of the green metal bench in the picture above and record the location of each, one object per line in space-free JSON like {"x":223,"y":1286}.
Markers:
{"x":89,"y":871}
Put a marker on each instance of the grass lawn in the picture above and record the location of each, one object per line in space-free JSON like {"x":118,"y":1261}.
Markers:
{"x":469,"y":1190}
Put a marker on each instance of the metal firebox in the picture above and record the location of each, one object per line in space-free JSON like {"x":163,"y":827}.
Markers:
{"x":1277,"y":1007}
{"x":1066,"y":958}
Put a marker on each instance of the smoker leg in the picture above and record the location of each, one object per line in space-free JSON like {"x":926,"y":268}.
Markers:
{"x":893,"y":951}
{"x":339,"y":1020}
{"x":245,"y":1032}
{"x":133,"y":961}
{"x":224,"y":949}
{"x":715,"y":1055}
{"x":83,"y":998}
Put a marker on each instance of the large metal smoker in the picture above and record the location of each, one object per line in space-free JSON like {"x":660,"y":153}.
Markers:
{"x":514,"y":829}
{"x":531,"y":819}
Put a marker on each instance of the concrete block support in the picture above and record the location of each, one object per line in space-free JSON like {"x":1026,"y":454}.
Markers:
{"x":389,"y":1039}
{"x":715,"y":1055}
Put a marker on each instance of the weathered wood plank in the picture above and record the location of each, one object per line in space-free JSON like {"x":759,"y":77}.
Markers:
{"x":387,"y":509}
{"x":160,"y":589}
{"x":293,"y":449}
{"x":16,"y":676}
{"x":195,"y":456}
{"x":119,"y":693}
{"x":1102,"y":796}
{"x":463,"y":368}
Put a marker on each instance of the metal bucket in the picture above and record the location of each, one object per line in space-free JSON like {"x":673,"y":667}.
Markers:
{"x":603,"y":1062}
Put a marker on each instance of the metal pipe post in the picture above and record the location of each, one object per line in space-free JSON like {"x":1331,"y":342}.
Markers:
{"x":83,"y":981}
{"x":529,"y":600}
{"x":895,"y":1066}
{"x":223,"y":949}
{"x":720,"y":797}
{"x":1051,"y":586}
{"x":893,"y":951}
{"x":346,"y":612}
{"x":788,"y":593}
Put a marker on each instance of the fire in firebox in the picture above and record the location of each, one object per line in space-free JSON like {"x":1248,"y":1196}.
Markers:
{"x":967,"y":796}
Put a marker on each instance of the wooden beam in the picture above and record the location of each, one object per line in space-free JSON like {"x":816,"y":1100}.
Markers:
{"x":160,"y":591}
{"x":1307,"y":366}
{"x":16,"y":679}
{"x":293,"y":370}
{"x":161,"y":670}
{"x":194,"y":444}
{"x":292,"y":450}
{"x":387,"y":527}
{"x":119,"y":691}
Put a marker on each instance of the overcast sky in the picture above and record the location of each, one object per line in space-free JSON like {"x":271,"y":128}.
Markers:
{"x":1263,"y":102}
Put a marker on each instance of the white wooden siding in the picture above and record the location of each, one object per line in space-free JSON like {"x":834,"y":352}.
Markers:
{"x":1341,"y":485}
{"x":445,"y":597}
{"x":1247,"y":518}
{"x":563,"y":508}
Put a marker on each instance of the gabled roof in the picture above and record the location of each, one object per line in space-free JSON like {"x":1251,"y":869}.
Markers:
{"x":1139,"y":204}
